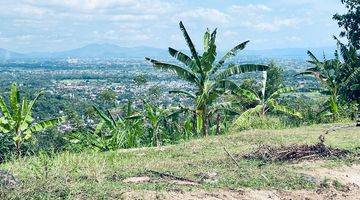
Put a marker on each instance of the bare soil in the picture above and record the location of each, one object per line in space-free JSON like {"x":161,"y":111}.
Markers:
{"x":348,"y":176}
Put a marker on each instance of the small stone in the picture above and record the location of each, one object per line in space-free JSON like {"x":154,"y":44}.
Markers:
{"x":140,"y":179}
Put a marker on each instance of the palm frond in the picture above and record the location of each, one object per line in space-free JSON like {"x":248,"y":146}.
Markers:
{"x":245,"y":115}
{"x":182,"y":57}
{"x":190,"y":44}
{"x":284,"y":109}
{"x":109,"y":122}
{"x":209,"y":55}
{"x":248,"y":93}
{"x":280,"y":91}
{"x":228,"y":55}
{"x":4,"y":109}
{"x":239,"y":69}
{"x":31,"y":104}
{"x":14,"y":101}
{"x":47,"y":124}
{"x":181,"y":72}
{"x":188,"y":94}
{"x":313,"y":58}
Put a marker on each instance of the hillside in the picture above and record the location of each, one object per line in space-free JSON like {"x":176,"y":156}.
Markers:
{"x":198,"y":169}
{"x":111,"y":51}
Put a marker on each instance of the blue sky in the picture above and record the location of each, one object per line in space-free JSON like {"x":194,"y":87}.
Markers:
{"x":53,"y":25}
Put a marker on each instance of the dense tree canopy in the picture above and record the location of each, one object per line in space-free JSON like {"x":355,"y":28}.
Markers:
{"x":350,"y":22}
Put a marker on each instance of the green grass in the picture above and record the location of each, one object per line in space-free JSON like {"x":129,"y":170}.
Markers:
{"x":99,"y":175}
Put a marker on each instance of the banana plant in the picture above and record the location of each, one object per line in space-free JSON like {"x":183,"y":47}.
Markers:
{"x":154,"y":116}
{"x":115,"y":132}
{"x":265,"y":101}
{"x":16,"y":119}
{"x":328,"y":73}
{"x":350,"y":72}
{"x":205,"y":73}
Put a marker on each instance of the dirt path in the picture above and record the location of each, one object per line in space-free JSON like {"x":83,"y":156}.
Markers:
{"x":349,"y":177}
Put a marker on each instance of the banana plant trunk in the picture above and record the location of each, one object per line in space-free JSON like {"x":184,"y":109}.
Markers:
{"x":202,"y":121}
{"x":18,"y":145}
{"x":205,"y":123}
{"x":218,"y":118}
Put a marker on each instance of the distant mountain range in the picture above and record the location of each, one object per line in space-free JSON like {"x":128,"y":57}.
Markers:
{"x":109,"y":51}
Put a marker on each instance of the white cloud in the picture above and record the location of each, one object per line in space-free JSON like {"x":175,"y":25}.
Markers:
{"x":275,"y":25}
{"x":105,"y":6}
{"x":229,"y":33}
{"x":250,"y":8}
{"x":128,"y":17}
{"x":204,"y":14}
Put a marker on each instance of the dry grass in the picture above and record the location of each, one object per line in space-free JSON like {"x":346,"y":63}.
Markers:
{"x":91,"y":175}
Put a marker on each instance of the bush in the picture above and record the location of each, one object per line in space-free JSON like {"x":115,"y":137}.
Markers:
{"x":266,"y":122}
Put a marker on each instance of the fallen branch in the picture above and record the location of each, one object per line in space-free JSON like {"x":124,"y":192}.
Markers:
{"x":162,"y":175}
{"x":334,"y":128}
{"x":232,"y":157}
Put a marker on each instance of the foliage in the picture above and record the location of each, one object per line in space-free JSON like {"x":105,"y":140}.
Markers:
{"x":350,"y":22}
{"x":108,"y":96}
{"x":350,"y":73}
{"x":203,"y":72}
{"x":264,"y":100}
{"x":17,"y":120}
{"x":140,"y":79}
{"x":100,"y":175}
{"x":112,"y":132}
{"x":339,"y":79}
{"x":327,"y":72}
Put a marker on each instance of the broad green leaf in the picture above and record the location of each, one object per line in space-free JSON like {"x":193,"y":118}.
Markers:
{"x":239,"y":69}
{"x":280,"y":91}
{"x":245,"y":115}
{"x":109,"y":122}
{"x":190,"y":45}
{"x":4,"y":109}
{"x":181,"y":72}
{"x":188,"y":94}
{"x":15,"y":101}
{"x":180,"y":56}
{"x":228,"y":55}
{"x":284,"y":109}
{"x":46,"y":124}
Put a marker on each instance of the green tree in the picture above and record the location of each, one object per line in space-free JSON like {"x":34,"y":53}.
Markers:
{"x":266,"y":101}
{"x":350,"y":22}
{"x":203,"y":72}
{"x":17,"y":118}
{"x":275,"y":77}
{"x":328,"y":73}
{"x":349,"y":73}
{"x":108,"y":96}
{"x":140,"y":79}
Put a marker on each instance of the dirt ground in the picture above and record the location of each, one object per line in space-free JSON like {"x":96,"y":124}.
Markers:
{"x":349,"y":177}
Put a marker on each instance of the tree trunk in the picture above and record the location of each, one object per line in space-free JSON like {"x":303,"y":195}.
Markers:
{"x":218,"y":118}
{"x":18,"y":148}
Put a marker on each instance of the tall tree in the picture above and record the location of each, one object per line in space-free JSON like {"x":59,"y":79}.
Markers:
{"x":350,"y":22}
{"x":203,"y":72}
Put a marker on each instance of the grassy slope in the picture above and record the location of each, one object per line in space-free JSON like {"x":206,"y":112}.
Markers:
{"x":100,"y":175}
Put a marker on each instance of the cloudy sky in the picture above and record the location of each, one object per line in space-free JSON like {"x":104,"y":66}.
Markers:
{"x":53,"y":25}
